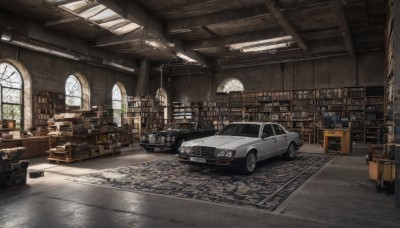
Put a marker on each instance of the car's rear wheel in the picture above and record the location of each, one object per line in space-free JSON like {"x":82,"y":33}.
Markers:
{"x":149,"y":149}
{"x":290,"y":153}
{"x":250,"y":163}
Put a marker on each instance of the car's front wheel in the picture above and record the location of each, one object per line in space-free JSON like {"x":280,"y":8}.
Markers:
{"x":290,"y":153}
{"x":250,"y":163}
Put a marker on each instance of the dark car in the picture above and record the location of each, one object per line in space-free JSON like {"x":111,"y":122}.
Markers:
{"x":175,"y":134}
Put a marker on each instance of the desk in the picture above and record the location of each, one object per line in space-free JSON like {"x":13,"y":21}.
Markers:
{"x":337,"y":141}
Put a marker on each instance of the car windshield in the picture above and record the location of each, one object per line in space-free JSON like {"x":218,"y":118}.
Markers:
{"x":247,"y":130}
{"x":182,"y":126}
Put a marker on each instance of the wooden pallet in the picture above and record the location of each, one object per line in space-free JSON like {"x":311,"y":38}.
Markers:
{"x":83,"y":157}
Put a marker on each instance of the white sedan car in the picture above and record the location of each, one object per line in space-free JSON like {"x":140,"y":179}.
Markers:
{"x":241,"y":145}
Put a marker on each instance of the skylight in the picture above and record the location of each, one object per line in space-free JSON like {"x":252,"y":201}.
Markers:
{"x":101,"y":15}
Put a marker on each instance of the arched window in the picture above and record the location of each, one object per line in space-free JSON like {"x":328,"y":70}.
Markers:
{"x":11,"y":88}
{"x":117,"y":104}
{"x":230,"y":84}
{"x":73,"y":92}
{"x":161,"y":95}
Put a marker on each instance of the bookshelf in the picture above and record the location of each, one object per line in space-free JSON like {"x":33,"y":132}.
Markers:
{"x":46,"y":104}
{"x":144,"y":115}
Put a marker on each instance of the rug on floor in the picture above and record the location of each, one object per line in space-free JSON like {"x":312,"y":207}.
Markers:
{"x":272,"y":182}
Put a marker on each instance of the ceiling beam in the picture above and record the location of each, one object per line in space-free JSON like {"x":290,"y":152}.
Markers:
{"x":131,"y":11}
{"x":61,"y":21}
{"x":187,"y":24}
{"x":234,"y":39}
{"x":287,"y":26}
{"x":343,"y":26}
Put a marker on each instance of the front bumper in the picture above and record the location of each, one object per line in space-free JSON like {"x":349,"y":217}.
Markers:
{"x":160,"y":145}
{"x":219,"y":162}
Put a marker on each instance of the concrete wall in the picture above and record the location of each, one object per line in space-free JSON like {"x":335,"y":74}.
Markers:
{"x":365,"y":70}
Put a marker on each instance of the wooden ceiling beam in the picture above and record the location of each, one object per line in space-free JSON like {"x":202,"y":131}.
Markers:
{"x":343,"y":26}
{"x":187,"y":24}
{"x":285,"y":23}
{"x":61,"y":21}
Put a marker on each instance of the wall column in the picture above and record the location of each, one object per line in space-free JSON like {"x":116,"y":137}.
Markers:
{"x":396,"y":89}
{"x":143,"y":82}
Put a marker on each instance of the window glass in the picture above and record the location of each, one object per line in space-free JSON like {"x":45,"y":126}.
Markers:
{"x":11,"y":94}
{"x":246,"y":130}
{"x":73,"y":92}
{"x":229,"y":85}
{"x":278,"y":130}
{"x":117,"y":105}
{"x":268,"y":130}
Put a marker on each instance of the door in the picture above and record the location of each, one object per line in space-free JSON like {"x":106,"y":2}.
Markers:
{"x":269,"y":143}
{"x":281,"y":137}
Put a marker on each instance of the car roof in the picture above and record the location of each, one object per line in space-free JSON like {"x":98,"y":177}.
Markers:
{"x":254,"y":123}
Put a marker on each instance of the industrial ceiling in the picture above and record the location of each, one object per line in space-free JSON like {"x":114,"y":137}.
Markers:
{"x":215,"y":33}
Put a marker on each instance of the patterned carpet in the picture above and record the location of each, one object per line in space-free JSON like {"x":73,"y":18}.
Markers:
{"x":272,"y":182}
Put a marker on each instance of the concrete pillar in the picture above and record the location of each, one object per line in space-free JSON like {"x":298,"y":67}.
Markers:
{"x":143,"y":82}
{"x":396,"y":89}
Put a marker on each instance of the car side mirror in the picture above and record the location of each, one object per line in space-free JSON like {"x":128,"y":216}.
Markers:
{"x":265,"y":135}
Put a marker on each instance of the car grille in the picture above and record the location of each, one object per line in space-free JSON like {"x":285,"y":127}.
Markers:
{"x":204,"y":151}
{"x":154,"y":139}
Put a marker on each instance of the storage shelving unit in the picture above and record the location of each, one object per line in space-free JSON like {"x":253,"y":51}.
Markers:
{"x":46,"y":104}
{"x":144,"y":115}
{"x":302,"y":111}
{"x":75,"y":138}
{"x":354,"y":111}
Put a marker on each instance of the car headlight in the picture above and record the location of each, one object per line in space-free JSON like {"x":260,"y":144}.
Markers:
{"x":143,"y":138}
{"x":168,"y":138}
{"x":221,"y":153}
{"x":173,"y":139}
{"x":162,"y":139}
{"x":187,"y":149}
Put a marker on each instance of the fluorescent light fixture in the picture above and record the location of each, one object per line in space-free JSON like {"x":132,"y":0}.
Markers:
{"x":263,"y":43}
{"x":6,"y":36}
{"x":185,"y":57}
{"x":265,"y":48}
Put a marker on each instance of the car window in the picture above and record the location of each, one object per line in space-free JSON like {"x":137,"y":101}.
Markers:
{"x":268,"y":130}
{"x":278,"y":130}
{"x":182,"y":126}
{"x":246,"y":130}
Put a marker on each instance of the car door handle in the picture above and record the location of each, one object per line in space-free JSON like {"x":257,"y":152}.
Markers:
{"x":274,"y":139}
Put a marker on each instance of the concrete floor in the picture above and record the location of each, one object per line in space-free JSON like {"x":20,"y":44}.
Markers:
{"x":330,"y":198}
